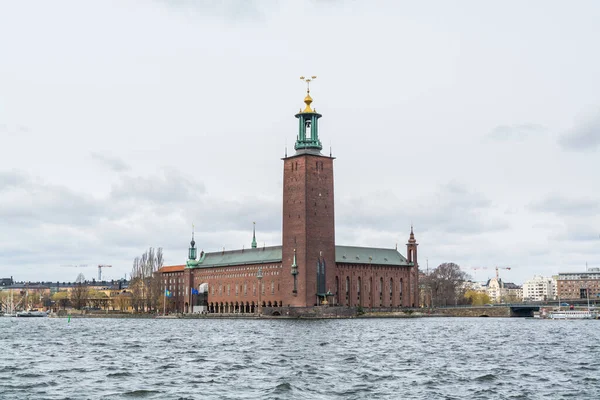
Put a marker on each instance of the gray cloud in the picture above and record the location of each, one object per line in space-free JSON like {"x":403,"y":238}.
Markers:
{"x":113,"y":163}
{"x":563,"y":206}
{"x":26,"y":201}
{"x":169,"y":187}
{"x":583,"y":137}
{"x":453,"y":208}
{"x":578,"y":232}
{"x":516,"y":131}
{"x":232,"y":9}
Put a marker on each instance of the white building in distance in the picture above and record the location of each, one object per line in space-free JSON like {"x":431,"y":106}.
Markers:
{"x":539,"y":288}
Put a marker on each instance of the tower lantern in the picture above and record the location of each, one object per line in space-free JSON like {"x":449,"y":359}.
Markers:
{"x":308,"y":123}
{"x":192,"y":249}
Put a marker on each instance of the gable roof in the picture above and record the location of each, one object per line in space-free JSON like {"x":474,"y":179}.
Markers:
{"x":172,"y":268}
{"x":273,"y":254}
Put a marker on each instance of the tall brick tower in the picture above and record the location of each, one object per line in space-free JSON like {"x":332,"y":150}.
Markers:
{"x":308,"y":254}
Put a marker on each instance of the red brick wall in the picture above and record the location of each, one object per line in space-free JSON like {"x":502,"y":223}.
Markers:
{"x":244,"y":277}
{"x":308,"y":225}
{"x":370,"y":282}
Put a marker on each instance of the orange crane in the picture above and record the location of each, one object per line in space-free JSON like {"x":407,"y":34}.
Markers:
{"x":100,"y":270}
{"x":497,"y":268}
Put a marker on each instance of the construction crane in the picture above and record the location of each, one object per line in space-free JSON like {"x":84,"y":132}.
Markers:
{"x":100,"y":270}
{"x":496,"y":268}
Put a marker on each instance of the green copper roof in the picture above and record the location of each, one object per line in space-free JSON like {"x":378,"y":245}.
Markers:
{"x":272,"y":254}
{"x":368,"y":255}
{"x":261,"y":255}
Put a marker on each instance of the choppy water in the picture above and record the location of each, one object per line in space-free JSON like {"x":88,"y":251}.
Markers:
{"x":428,"y":358}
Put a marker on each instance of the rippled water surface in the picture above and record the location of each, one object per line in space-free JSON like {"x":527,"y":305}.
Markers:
{"x":421,"y":358}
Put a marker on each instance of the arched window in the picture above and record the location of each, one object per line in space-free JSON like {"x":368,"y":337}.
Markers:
{"x":380,"y":292}
{"x":400,"y":291}
{"x":391,"y":292}
{"x":228,"y":289}
{"x":254,"y":288}
{"x":347,"y":290}
{"x":272,"y":287}
{"x":358,"y":285}
{"x":245,"y":288}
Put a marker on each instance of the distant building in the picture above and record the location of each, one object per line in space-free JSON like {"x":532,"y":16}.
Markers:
{"x":539,"y":288}
{"x":6,"y":282}
{"x":503,"y":292}
{"x":579,"y":285}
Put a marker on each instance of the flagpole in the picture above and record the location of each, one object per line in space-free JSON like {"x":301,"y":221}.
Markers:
{"x":165,"y":301}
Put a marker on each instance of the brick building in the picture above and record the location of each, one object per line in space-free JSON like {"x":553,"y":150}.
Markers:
{"x":579,"y":285}
{"x":308,"y":269}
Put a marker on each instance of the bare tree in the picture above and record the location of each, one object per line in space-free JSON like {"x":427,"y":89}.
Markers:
{"x":135,"y":285}
{"x":445,"y":283}
{"x":145,"y":280}
{"x":79,"y":294}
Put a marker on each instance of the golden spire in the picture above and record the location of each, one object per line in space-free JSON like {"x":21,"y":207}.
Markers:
{"x":308,"y":99}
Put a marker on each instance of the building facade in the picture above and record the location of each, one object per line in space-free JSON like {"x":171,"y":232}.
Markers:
{"x":308,"y":269}
{"x":579,"y":285}
{"x":539,"y":288}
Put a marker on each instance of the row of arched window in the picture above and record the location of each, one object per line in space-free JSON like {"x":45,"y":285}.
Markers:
{"x":386,"y":293}
{"x":226,"y":290}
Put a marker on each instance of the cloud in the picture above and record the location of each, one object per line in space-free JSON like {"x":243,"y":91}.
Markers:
{"x":232,"y":9}
{"x":28,"y":201}
{"x":563,"y":206}
{"x":452,"y":208}
{"x":516,"y":131}
{"x":585,"y":136}
{"x":578,"y":232}
{"x":113,"y":163}
{"x":15,"y":130}
{"x":169,"y":187}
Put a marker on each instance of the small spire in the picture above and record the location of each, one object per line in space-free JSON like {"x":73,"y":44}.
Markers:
{"x":193,"y":242}
{"x":254,"y":235}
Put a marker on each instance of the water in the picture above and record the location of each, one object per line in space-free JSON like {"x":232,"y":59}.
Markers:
{"x":426,"y":358}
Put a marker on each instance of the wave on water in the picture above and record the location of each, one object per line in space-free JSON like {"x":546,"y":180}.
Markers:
{"x":141,"y":393}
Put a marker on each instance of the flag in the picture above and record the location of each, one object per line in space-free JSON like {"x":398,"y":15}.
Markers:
{"x":167,"y":293}
{"x":194,"y":291}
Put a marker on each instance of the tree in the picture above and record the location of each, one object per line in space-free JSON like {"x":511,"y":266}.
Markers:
{"x":445,"y":284}
{"x":145,"y":280}
{"x":80,"y":292}
{"x":477,"y":298}
{"x":61,"y":298}
{"x":123,"y":300}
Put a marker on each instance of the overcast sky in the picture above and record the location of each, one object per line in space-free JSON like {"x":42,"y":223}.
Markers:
{"x":124,"y":122}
